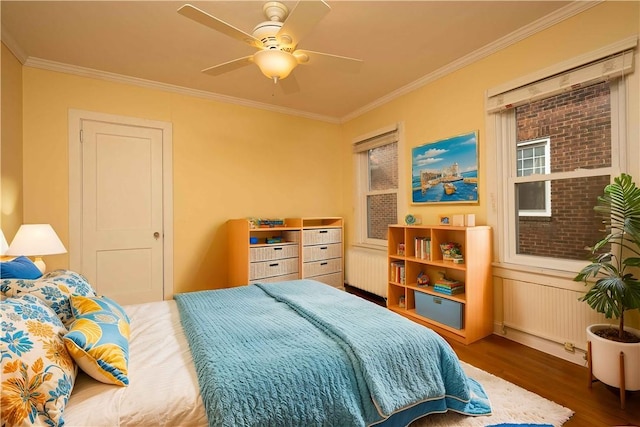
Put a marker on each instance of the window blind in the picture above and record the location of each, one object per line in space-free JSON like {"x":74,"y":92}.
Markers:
{"x":376,"y":141}
{"x":612,"y":66}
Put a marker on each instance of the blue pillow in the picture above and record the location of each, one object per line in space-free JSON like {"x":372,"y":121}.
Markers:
{"x":19,"y":268}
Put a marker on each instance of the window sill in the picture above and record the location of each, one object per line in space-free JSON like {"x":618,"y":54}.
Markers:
{"x":543,"y":276}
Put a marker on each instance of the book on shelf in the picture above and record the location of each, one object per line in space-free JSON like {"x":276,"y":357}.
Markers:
{"x":422,"y":248}
{"x":447,"y":283}
{"x":449,"y":291}
{"x":397,"y":272}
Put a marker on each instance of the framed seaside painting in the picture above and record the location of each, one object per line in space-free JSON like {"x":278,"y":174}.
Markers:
{"x":446,"y":171}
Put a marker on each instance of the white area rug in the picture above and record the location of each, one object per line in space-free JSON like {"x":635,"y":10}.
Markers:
{"x":509,"y":404}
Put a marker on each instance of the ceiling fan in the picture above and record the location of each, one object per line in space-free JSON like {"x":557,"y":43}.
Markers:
{"x":276,"y":39}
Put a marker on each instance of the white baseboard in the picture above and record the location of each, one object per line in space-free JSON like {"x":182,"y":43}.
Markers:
{"x":550,"y":347}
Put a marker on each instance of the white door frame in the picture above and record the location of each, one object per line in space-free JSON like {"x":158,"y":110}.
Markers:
{"x":75,"y":187}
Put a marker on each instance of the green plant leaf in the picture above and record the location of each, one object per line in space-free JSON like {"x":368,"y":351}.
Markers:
{"x":615,"y":289}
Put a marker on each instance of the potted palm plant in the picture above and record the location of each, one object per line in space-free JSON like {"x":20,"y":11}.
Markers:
{"x":613,"y":287}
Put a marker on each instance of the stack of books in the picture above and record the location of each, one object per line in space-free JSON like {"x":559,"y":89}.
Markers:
{"x":270,"y":223}
{"x":448,"y":287}
{"x":396,"y":271}
{"x":423,"y":247}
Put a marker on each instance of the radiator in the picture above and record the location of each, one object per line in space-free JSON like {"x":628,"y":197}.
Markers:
{"x":366,"y":269}
{"x":547,"y":312}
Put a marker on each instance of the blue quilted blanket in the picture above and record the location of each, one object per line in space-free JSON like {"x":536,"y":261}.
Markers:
{"x":301,"y":353}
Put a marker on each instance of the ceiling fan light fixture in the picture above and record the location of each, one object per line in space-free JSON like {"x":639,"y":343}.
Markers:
{"x":275,"y":64}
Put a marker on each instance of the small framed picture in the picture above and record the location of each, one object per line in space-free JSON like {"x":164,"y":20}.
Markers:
{"x":445,"y":219}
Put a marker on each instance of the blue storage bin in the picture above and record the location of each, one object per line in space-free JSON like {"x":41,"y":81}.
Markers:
{"x":440,"y":309}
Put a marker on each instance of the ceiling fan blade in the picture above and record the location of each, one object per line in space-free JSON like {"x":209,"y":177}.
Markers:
{"x":304,"y":16}
{"x":289,"y":85}
{"x":210,"y":21}
{"x":216,"y":70}
{"x":336,"y":62}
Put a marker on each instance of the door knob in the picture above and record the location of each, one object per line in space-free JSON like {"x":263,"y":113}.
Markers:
{"x":156,"y":235}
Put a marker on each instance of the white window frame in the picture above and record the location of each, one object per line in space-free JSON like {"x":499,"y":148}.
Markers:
{"x":361,"y":172}
{"x":501,"y":126}
{"x":546,"y":212}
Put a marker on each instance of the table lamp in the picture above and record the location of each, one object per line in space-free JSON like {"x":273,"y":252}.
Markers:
{"x":36,"y":240}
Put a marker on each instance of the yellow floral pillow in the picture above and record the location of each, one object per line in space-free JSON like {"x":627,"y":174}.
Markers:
{"x":37,"y":371}
{"x":98,"y":340}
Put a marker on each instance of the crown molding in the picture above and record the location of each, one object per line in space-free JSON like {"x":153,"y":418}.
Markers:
{"x":45,"y":64}
{"x":11,"y":44}
{"x":541,"y":24}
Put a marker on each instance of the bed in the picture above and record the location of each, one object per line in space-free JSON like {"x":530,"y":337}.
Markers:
{"x":296,"y":353}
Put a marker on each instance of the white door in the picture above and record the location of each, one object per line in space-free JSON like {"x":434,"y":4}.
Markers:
{"x":122,"y":223}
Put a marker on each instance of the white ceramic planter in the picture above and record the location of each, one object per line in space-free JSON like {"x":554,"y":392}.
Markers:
{"x":605,"y":359}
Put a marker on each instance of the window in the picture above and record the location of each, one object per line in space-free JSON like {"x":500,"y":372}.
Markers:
{"x":377,"y":185}
{"x":559,"y":141}
{"x":532,"y":158}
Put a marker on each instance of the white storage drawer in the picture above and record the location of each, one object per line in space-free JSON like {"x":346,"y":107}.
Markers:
{"x":333,"y":279}
{"x":318,"y":268}
{"x":320,"y":236}
{"x":267,"y":253}
{"x":284,"y":278}
{"x":260,"y":270}
{"x":319,"y":252}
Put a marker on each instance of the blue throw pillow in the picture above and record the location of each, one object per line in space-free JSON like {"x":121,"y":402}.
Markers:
{"x":19,"y":268}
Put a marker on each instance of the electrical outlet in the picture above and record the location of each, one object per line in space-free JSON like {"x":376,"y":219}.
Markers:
{"x":568,"y":346}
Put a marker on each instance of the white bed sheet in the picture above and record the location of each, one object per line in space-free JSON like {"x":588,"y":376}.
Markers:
{"x":163,"y":386}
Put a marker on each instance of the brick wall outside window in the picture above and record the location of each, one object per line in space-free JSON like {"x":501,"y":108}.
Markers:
{"x":383,"y":176}
{"x":579,"y":125}
{"x":382,"y":209}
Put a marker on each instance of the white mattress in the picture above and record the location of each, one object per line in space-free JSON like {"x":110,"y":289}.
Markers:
{"x":163,"y":386}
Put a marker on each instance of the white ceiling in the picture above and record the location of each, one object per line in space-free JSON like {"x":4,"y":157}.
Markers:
{"x":402,"y":43}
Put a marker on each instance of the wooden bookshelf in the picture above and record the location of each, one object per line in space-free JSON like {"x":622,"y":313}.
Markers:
{"x":465,"y":317}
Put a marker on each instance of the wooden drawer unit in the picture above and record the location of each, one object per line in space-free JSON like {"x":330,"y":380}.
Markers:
{"x":270,"y":252}
{"x":306,"y":248}
{"x":276,"y":267}
{"x":320,"y":252}
{"x":321,"y":236}
{"x":318,"y":268}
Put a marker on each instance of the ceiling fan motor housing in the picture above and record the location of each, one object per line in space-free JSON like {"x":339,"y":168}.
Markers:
{"x":266,"y":33}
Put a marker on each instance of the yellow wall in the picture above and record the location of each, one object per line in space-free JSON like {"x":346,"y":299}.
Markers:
{"x":232,"y":161}
{"x":11,"y":145}
{"x":228,"y":162}
{"x":454,"y":104}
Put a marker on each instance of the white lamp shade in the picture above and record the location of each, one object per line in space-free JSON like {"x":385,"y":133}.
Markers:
{"x":3,"y":244}
{"x":275,"y":64}
{"x":36,"y":240}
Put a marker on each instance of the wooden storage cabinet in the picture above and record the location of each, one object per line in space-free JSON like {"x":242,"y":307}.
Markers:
{"x":465,"y":317}
{"x":310,"y":248}
{"x":322,"y":251}
{"x":276,"y":267}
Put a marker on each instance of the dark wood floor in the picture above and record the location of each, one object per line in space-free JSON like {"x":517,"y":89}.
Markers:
{"x":555,"y":379}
